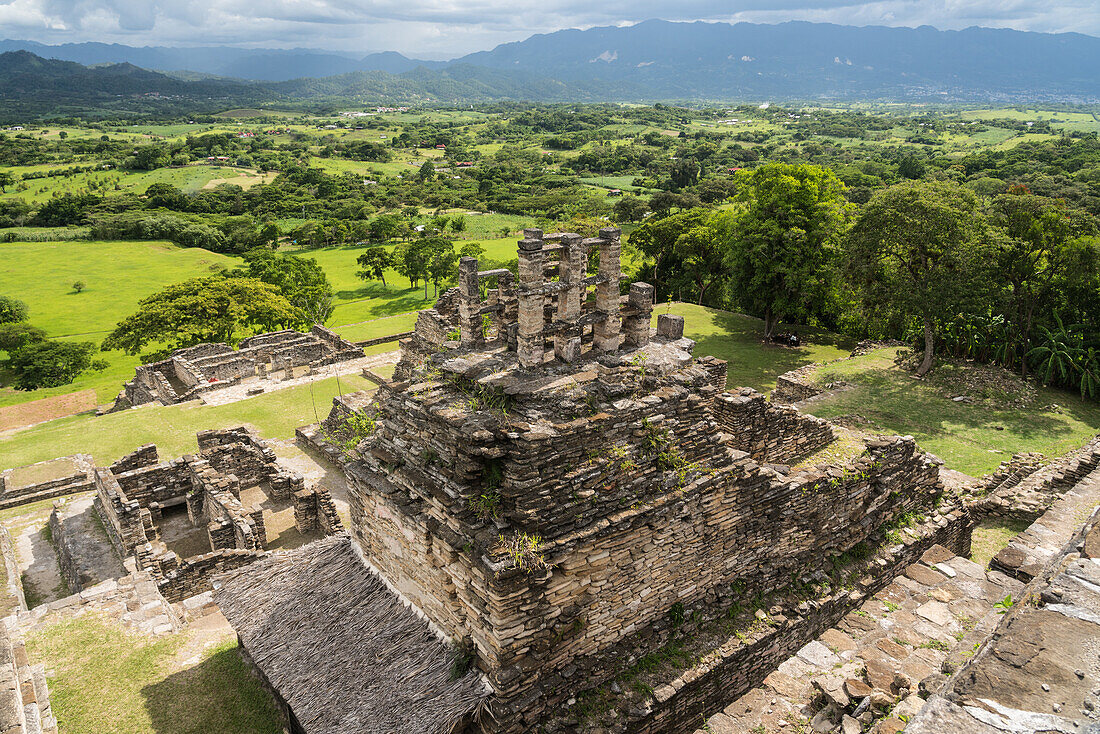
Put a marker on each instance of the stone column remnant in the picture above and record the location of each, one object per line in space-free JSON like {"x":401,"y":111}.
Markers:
{"x":530,"y":340}
{"x":636,"y":327}
{"x":670,"y":327}
{"x":571,"y":267}
{"x":469,"y":303}
{"x":606,"y":332}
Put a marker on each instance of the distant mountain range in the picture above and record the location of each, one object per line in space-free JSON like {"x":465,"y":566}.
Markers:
{"x":651,"y":61}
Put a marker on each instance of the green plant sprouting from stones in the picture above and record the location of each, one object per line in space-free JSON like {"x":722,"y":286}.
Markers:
{"x":350,"y":431}
{"x":523,"y":551}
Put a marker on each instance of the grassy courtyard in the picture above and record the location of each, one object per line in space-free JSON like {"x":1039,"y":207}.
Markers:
{"x":151,"y":688}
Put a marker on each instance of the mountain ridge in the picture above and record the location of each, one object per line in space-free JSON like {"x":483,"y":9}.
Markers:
{"x":663,"y":61}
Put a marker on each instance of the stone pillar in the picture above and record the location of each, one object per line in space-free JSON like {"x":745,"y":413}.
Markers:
{"x":530,"y":339}
{"x":469,"y":303}
{"x":636,"y":328}
{"x":574,"y":258}
{"x":670,"y":327}
{"x":605,"y":334}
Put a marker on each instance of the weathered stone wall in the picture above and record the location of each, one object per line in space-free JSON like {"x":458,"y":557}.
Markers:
{"x":795,"y":386}
{"x":165,"y":483}
{"x":122,"y":517}
{"x":639,"y":507}
{"x":189,"y":372}
{"x":777,"y":434}
{"x":1026,"y":496}
{"x":195,"y":575}
{"x":139,"y":458}
{"x":680,"y":704}
{"x":66,"y":557}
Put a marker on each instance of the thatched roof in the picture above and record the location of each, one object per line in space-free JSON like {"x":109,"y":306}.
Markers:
{"x":345,"y":653}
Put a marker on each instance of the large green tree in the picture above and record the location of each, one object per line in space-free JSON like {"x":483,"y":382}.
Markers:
{"x":211,"y":309}
{"x":788,"y":234}
{"x":49,"y":363}
{"x":374,"y":261}
{"x":299,"y":279}
{"x":1041,"y":257}
{"x":923,"y":249}
{"x":12,"y":310}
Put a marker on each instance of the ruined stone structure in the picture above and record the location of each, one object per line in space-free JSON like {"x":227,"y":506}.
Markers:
{"x":190,"y":372}
{"x":555,"y":487}
{"x":134,"y":494}
{"x":45,"y":480}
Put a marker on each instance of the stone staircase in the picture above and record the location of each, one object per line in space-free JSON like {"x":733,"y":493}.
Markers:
{"x":24,"y":696}
{"x":867,"y":674}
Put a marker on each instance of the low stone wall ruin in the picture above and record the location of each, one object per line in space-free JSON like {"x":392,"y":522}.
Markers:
{"x":679,"y":705}
{"x":192,"y":371}
{"x":131,"y":500}
{"x":1023,"y":487}
{"x":777,"y":434}
{"x":794,"y":386}
{"x":80,"y":480}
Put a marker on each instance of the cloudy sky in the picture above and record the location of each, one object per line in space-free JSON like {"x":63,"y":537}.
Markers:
{"x":447,"y":28}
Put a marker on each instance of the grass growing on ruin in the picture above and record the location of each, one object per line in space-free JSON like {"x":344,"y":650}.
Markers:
{"x":991,"y":535}
{"x":172,"y":428}
{"x":104,"y":680}
{"x":972,"y":438}
{"x":738,"y":340}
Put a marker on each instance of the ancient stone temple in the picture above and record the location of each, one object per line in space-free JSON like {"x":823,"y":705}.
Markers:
{"x":556,"y":489}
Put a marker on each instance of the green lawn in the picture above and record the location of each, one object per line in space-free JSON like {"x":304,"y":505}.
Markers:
{"x":104,"y":680}
{"x":737,"y":339}
{"x":973,"y":438}
{"x":117,"y":275}
{"x":172,"y":428}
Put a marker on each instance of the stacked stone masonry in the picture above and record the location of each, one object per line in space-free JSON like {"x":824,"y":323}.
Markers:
{"x":192,"y":371}
{"x":135,"y":492}
{"x":550,"y":483}
{"x":77,"y":478}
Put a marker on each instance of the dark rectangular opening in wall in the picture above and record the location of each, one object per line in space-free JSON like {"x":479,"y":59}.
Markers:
{"x":181,"y":537}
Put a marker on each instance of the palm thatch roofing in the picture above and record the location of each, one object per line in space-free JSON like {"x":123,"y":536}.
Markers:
{"x":342,"y":650}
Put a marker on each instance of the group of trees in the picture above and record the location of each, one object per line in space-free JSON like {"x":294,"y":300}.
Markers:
{"x":1014,"y":280}
{"x":35,"y":360}
{"x":271,"y":291}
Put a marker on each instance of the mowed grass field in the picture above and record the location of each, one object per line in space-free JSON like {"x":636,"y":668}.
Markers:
{"x":172,"y":428}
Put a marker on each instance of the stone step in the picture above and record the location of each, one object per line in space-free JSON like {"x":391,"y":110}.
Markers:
{"x":902,"y":642}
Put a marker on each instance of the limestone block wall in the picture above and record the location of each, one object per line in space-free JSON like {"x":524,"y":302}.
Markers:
{"x":195,"y":575}
{"x":122,"y":517}
{"x":139,"y":458}
{"x":165,"y":483}
{"x":794,"y":386}
{"x":678,"y":707}
{"x":66,"y":557}
{"x":618,"y":578}
{"x":80,"y":480}
{"x":774,"y":433}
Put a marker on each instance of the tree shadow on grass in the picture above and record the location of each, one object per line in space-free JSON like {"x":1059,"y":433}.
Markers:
{"x":220,"y":694}
{"x":899,"y":404}
{"x":386,"y":300}
{"x":752,"y":362}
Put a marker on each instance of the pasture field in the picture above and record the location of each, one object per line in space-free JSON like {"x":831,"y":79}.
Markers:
{"x":189,"y":179}
{"x":172,"y":427}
